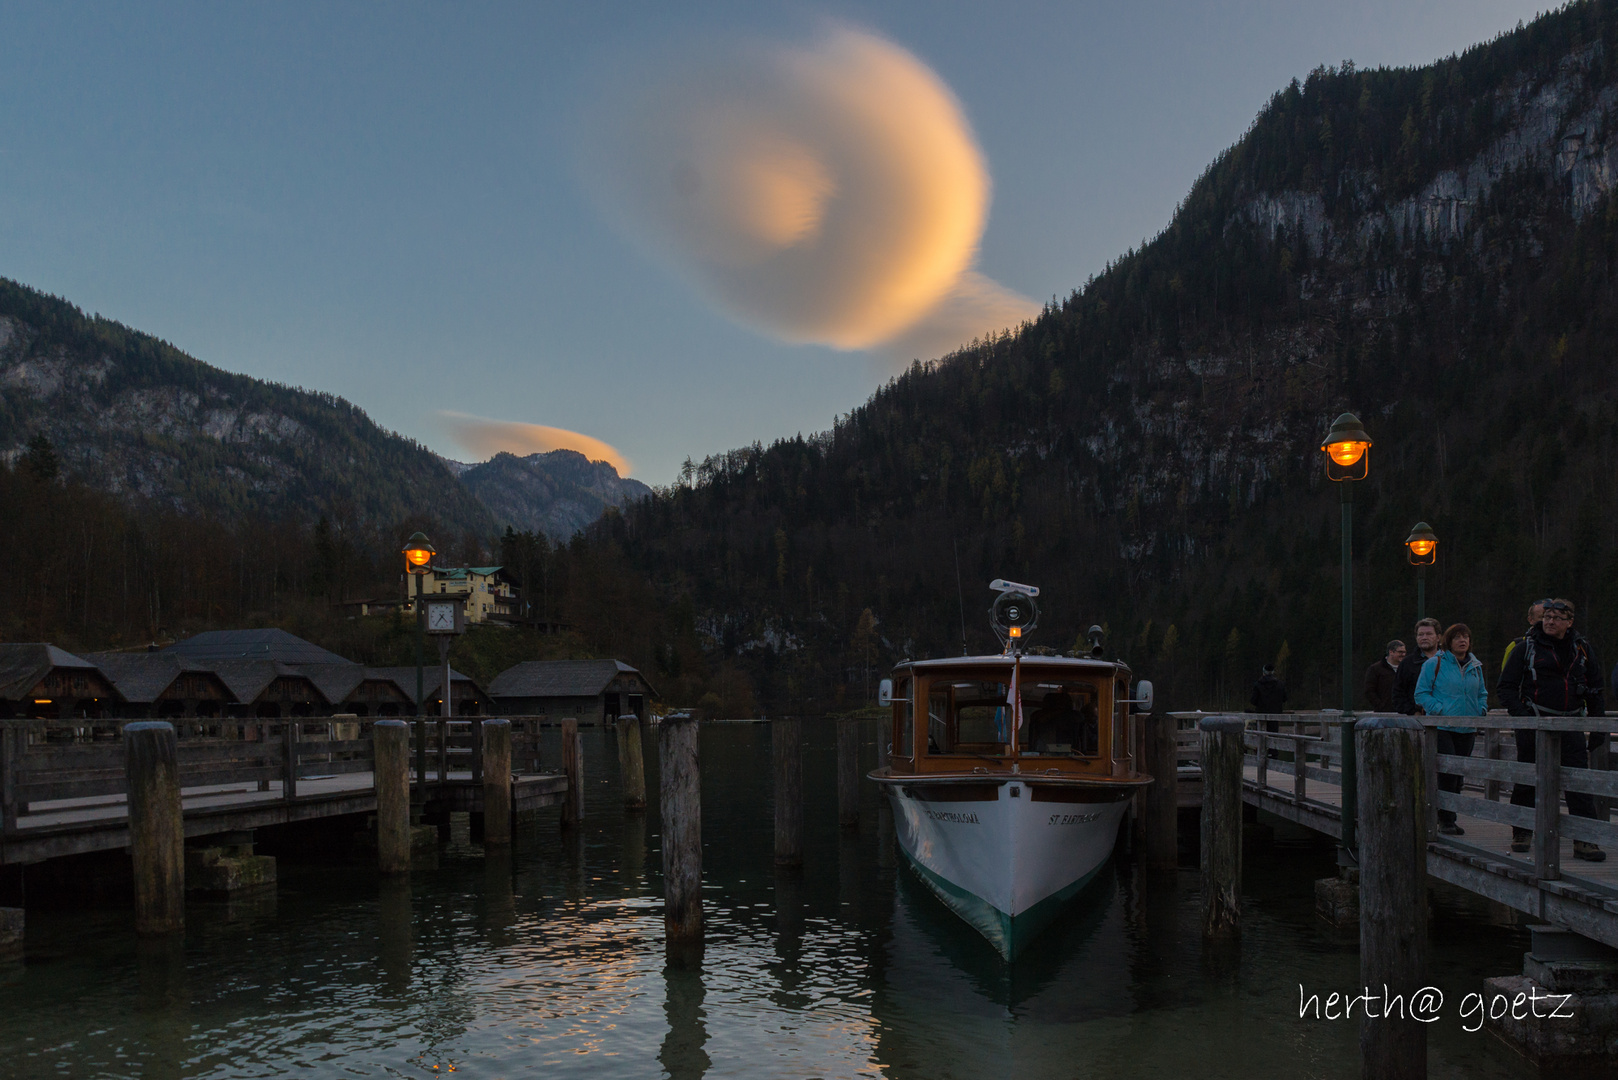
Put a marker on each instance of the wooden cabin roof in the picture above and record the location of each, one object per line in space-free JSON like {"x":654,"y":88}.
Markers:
{"x":561,"y":678}
{"x":432,"y":676}
{"x":24,"y":664}
{"x":274,"y":645}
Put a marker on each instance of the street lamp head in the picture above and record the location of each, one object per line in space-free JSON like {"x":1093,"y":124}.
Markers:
{"x":1423,"y":545}
{"x":418,"y":553}
{"x":1347,"y":445}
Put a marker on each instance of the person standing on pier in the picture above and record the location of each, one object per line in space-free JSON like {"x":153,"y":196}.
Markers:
{"x":1452,"y":684}
{"x":1380,"y":675}
{"x":1269,"y":693}
{"x":1404,"y":681}
{"x":1552,"y":671}
{"x":1536,"y":611}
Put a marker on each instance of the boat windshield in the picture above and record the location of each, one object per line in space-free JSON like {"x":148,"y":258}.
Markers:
{"x":1060,"y":718}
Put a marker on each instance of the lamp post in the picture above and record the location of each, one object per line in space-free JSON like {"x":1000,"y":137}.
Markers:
{"x":1347,"y":447}
{"x":1422,"y":545}
{"x":418,"y":553}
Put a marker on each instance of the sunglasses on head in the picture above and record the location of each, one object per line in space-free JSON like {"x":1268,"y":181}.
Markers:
{"x":1559,"y":609}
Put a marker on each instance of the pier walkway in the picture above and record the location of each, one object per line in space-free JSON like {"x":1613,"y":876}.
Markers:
{"x":63,"y":790}
{"x":1546,"y":883}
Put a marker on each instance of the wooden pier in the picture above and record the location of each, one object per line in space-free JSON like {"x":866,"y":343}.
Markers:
{"x":64,"y":791}
{"x":1295,"y":773}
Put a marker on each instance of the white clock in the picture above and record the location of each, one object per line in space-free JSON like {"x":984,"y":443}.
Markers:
{"x":441,"y":618}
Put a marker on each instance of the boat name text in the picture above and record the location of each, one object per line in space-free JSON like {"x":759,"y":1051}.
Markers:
{"x":950,"y":815}
{"x":1072,"y":819}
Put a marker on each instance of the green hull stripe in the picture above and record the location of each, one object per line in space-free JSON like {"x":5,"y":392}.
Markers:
{"x":1007,"y":933}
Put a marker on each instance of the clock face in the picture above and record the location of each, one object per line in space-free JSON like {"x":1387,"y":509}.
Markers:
{"x":440,"y":617}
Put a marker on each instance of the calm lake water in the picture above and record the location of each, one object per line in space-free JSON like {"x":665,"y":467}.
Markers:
{"x":549,"y":962}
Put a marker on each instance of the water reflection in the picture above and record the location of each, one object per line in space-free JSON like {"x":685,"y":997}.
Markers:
{"x":682,"y":1053}
{"x":163,"y":1003}
{"x":394,"y":934}
{"x":551,"y":961}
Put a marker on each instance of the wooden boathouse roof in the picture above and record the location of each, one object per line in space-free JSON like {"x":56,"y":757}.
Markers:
{"x":561,"y":678}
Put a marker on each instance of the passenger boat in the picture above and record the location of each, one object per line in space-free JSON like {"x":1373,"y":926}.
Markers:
{"x":1009,"y":775}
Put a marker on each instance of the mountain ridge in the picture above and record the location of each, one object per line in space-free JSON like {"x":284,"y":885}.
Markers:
{"x":131,"y":414}
{"x":1433,"y":248}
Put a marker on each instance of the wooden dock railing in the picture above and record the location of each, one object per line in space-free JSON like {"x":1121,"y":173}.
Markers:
{"x":81,"y":762}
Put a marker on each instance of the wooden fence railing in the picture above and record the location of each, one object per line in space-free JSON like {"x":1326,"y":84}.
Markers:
{"x":50,"y":761}
{"x":1304,"y":745}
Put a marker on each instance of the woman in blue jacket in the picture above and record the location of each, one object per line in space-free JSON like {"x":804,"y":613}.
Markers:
{"x":1451,"y":684}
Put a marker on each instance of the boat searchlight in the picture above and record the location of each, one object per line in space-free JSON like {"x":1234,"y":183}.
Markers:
{"x":1014,"y":612}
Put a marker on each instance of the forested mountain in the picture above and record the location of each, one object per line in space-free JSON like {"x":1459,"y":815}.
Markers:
{"x":556,"y":493}
{"x":133,"y":415}
{"x":1432,"y":248}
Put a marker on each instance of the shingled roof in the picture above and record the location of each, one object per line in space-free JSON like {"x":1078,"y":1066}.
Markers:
{"x":559,"y":678}
{"x":431,"y":676}
{"x":278,"y":645}
{"x":140,"y":677}
{"x":22,"y":665}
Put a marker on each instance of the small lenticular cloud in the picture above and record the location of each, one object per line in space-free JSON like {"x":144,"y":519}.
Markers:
{"x":483,"y":438}
{"x":831,"y":193}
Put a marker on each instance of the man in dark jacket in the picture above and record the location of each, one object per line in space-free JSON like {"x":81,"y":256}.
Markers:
{"x":1269,"y":693}
{"x":1553,"y":671}
{"x":1404,"y":680}
{"x":1380,"y":675}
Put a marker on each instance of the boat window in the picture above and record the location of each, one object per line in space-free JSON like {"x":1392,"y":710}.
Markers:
{"x":940,"y":732}
{"x":904,"y":726}
{"x":980,"y":718}
{"x":1060,"y":719}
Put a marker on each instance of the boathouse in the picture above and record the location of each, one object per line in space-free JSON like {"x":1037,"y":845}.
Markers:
{"x":39,"y":680}
{"x":467,"y":698}
{"x":158,"y":686}
{"x":211,"y":646}
{"x":592,"y":690}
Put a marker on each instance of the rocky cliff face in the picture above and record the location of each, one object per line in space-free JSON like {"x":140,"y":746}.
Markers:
{"x":557,"y":493}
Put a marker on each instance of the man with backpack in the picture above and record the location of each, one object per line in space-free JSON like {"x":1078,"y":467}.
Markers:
{"x":1552,"y":671}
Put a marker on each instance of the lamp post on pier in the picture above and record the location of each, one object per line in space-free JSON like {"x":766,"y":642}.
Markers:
{"x":418,"y":553}
{"x":1347,"y":447}
{"x":1423,"y":548}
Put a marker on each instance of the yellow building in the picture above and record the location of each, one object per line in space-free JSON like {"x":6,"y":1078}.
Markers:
{"x":488,"y":593}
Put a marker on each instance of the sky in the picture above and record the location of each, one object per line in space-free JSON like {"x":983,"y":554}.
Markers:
{"x":671,"y":230}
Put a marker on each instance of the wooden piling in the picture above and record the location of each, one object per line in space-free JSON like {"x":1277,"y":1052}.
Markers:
{"x":156,"y":827}
{"x":1221,"y":825}
{"x":681,"y":805}
{"x":631,"y":762}
{"x":573,"y":769}
{"x":786,"y":744}
{"x":1547,"y":804}
{"x":496,"y":783}
{"x":1392,"y":837}
{"x":848,"y":773}
{"x":1160,"y":806}
{"x":390,"y":741}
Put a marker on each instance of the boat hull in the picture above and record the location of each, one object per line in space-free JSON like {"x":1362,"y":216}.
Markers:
{"x":1005,"y":856}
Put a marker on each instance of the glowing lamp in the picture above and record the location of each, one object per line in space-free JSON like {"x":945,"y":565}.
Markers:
{"x":1423,"y":545}
{"x":1347,"y":445}
{"x":418,"y":552}
{"x":1015,"y":631}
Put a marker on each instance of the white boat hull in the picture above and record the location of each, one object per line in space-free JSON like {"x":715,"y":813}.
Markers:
{"x":1006,"y":863}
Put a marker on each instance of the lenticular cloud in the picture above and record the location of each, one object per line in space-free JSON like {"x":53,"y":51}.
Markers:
{"x":830,"y":193}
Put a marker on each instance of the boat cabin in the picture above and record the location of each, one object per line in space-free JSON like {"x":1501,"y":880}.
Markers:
{"x":1023,"y":714}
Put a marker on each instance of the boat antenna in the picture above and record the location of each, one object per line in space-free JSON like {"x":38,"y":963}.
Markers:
{"x":960,"y":594}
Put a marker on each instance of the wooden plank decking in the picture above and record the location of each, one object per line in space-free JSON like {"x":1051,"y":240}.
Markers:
{"x":1579,"y":895}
